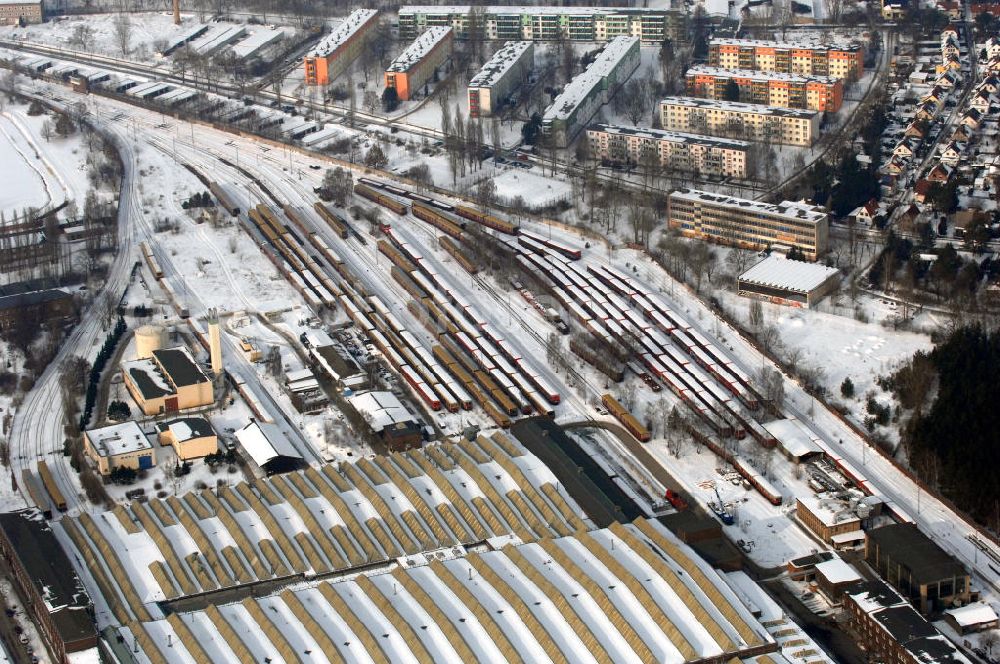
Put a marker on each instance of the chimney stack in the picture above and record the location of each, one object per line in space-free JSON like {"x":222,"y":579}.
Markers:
{"x":177,"y":12}
{"x":215,"y":342}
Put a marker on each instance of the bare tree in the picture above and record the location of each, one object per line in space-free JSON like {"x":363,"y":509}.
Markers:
{"x":123,"y":32}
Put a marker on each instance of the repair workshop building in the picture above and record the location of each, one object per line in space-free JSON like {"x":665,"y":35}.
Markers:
{"x":167,"y":381}
{"x":785,"y":281}
{"x":916,"y":566}
{"x":119,"y":446}
{"x":53,"y":594}
{"x":389,"y":420}
{"x":191,"y":437}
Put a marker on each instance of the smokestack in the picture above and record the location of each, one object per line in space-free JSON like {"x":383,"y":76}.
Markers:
{"x":177,"y":12}
{"x":215,"y":342}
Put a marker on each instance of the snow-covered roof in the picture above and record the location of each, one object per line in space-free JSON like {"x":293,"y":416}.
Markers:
{"x":187,"y":428}
{"x":124,"y":438}
{"x":383,"y":408}
{"x":671,"y":136}
{"x":738,"y":107}
{"x":501,"y":62}
{"x":757,"y":75}
{"x":355,"y":21}
{"x":973,"y":614}
{"x":583,"y":85}
{"x":790,"y":210}
{"x":528,"y":10}
{"x":786,"y":45}
{"x":794,"y":438}
{"x":419,"y":49}
{"x":265,"y":442}
{"x":836,"y":571}
{"x":777,"y":271}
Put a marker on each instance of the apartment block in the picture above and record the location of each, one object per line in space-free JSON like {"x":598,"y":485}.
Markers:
{"x":730,"y":119}
{"x":17,"y":13}
{"x":846,"y":61}
{"x":499,"y":77}
{"x":415,"y":66}
{"x":751,"y":224}
{"x":815,"y":93}
{"x":674,"y":150}
{"x":500,"y":23}
{"x":573,"y":109}
{"x":335,"y":52}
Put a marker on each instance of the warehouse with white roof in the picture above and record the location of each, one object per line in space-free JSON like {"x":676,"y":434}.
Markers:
{"x":785,"y":281}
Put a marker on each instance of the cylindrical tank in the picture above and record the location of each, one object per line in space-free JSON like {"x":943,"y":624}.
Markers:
{"x":147,"y":339}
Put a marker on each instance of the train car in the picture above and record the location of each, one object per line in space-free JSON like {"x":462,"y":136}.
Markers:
{"x":154,"y":266}
{"x":562,"y":249}
{"x":333,"y":220}
{"x":626,"y":418}
{"x":37,"y":493}
{"x":487,"y":220}
{"x":395,"y":256}
{"x":51,"y":487}
{"x":455,"y":251}
{"x":420,"y":388}
{"x":436,"y":218}
{"x":225,"y":201}
{"x":541,"y":406}
{"x":385,"y":201}
{"x":758,"y":481}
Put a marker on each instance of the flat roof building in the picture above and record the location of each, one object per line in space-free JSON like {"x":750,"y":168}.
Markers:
{"x":119,"y":446}
{"x":547,"y":23}
{"x":669,"y":150}
{"x":785,"y":281}
{"x":168,"y":381}
{"x":416,"y":65}
{"x":915,"y":565}
{"x":840,"y":60}
{"x":745,"y":223}
{"x":21,"y":12}
{"x":334,"y":53}
{"x":500,"y":76}
{"x":815,"y":93}
{"x":191,"y":437}
{"x":731,"y":119}
{"x":53,"y":592}
{"x":576,"y":105}
{"x":891,"y":630}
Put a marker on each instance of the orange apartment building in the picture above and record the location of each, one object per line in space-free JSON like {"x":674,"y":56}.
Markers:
{"x":335,"y":52}
{"x":846,"y":61}
{"x":416,"y":65}
{"x":815,"y":93}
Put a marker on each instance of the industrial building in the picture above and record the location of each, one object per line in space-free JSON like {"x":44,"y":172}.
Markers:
{"x":53,"y":594}
{"x":846,"y":61}
{"x":830,"y":514}
{"x":588,"y":24}
{"x":790,"y":282}
{"x":334,"y":53}
{"x":917,"y":567}
{"x":752,"y":122}
{"x":389,"y":419}
{"x":692,"y":153}
{"x":892,"y":631}
{"x":167,"y":381}
{"x":45,"y":306}
{"x":267,"y":447}
{"x":811,"y":92}
{"x":119,"y":446}
{"x":415,"y":67}
{"x":191,"y":437}
{"x":752,"y":224}
{"x":576,"y":105}
{"x":502,"y":74}
{"x":19,"y":12}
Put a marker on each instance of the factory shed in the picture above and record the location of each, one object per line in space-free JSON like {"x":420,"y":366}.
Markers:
{"x":786,"y":281}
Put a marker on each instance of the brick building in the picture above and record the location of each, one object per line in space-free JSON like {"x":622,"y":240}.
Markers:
{"x":14,"y":12}
{"x":816,"y":93}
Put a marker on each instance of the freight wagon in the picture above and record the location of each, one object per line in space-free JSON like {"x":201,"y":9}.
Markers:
{"x":626,"y":418}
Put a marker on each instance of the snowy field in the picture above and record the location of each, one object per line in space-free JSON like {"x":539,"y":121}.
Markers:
{"x":24,"y":183}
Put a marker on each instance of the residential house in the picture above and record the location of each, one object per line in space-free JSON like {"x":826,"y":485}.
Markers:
{"x":927,"y":111}
{"x":950,"y":155}
{"x":906,"y":148}
{"x":972,"y":119}
{"x":962,"y":134}
{"x":981,"y":102}
{"x":866,"y":213}
{"x":916,"y":130}
{"x":921,"y":189}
